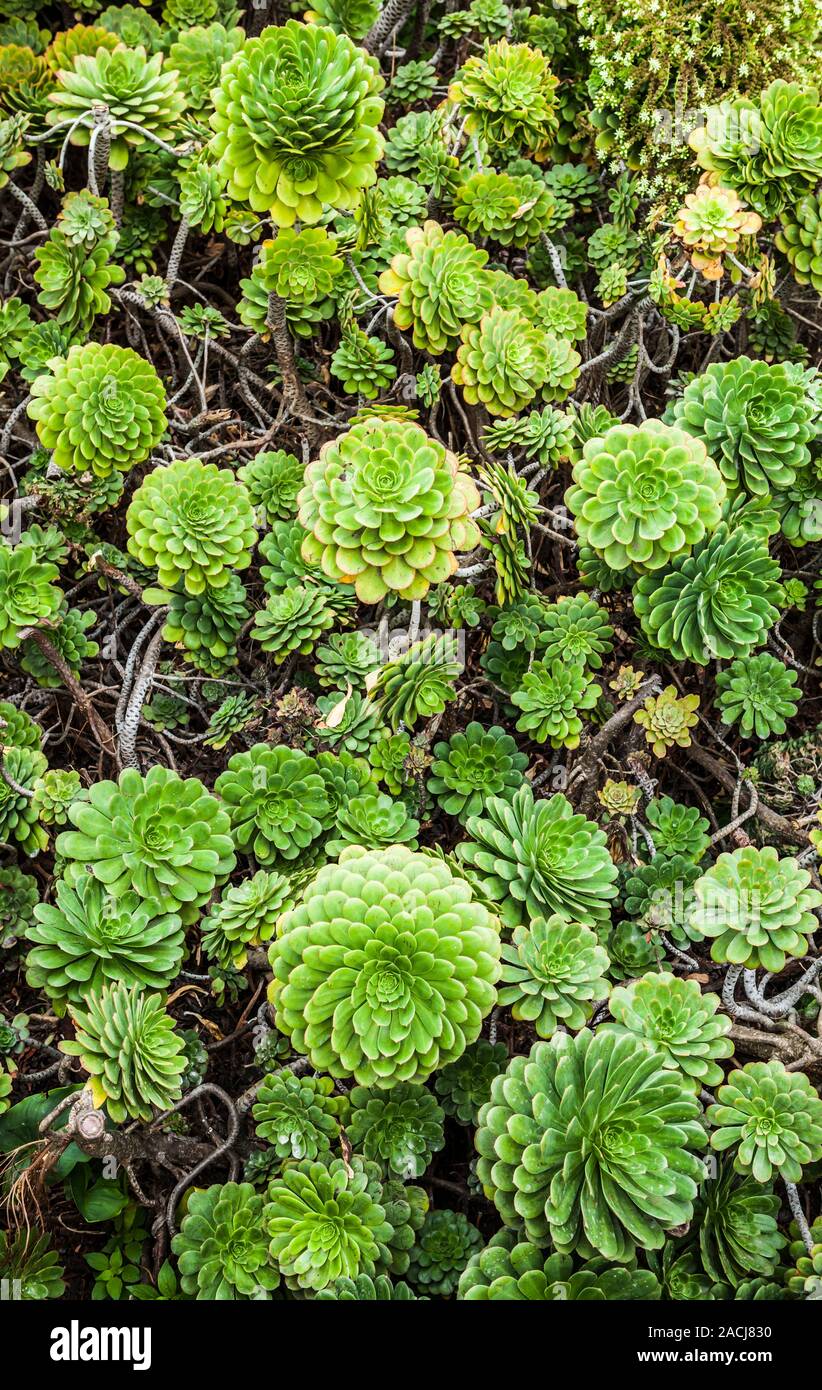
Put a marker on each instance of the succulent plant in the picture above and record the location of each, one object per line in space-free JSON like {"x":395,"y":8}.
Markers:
{"x":406,"y":138}
{"x":761,"y":1290}
{"x":246,"y":914}
{"x":196,"y":1059}
{"x":192,"y":521}
{"x":18,"y":729}
{"x":350,"y":724}
{"x":19,"y":896}
{"x":541,"y":434}
{"x":502,"y":361}
{"x":518,"y":625}
{"x":12,"y":154}
{"x":575,"y":629}
{"x":292,"y":621}
{"x":161,"y":836}
{"x":800,"y":239}
{"x":326,"y":1221}
{"x":386,"y":508}
{"x":419,"y":683}
{"x":389,"y":758}
{"x":562,"y":313}
{"x":363,"y":364}
{"x":465,"y":1085}
{"x":346,"y":777}
{"x":517,"y":1271}
{"x":772,"y":333}
{"x":590,"y":1141}
{"x":755,"y":419}
{"x":668,"y":720}
{"x":679,"y":1020}
{"x":660,"y":895}
{"x":644,"y":494}
{"x":771,"y":1118}
{"x":364,"y":1289}
{"x":205,"y":625}
{"x":68,"y":44}
{"x":612,"y":285}
{"x":736,"y":1218}
{"x":298,"y":1115}
{"x":619,"y":798}
{"x":552,"y":696}
{"x":126,"y":1041}
{"x":86,"y":220}
{"x":136,"y":90}
{"x":197,"y":56}
{"x":201,"y":201}
{"x":759,"y":693}
{"x":14,"y":1035}
{"x":612,"y":243}
{"x":373,"y":826}
{"x":677,"y":829}
{"x":508,"y":95}
{"x":804,"y":1278}
{"x":347,"y":658}
{"x":273,"y":480}
{"x":400,"y":1129}
{"x":563,"y":368}
{"x":26,"y":82}
{"x":276,"y":801}
{"x":627,"y":683}
{"x":167,"y":712}
{"x":441,"y":1251}
{"x":769,"y":150}
{"x":143,"y":227}
{"x":30,"y":1267}
{"x":132,"y":26}
{"x":48,"y":542}
{"x":182,"y":14}
{"x":88,"y":940}
{"x":295,"y":120}
{"x":633,"y":951}
{"x":403,"y":200}
{"x":69,"y":640}
{"x":588,"y":422}
{"x":22,"y":767}
{"x":798,"y":509}
{"x":537,"y":858}
{"x":436,"y":168}
{"x":441,"y":285}
{"x":510,"y":210}
{"x":552,"y":973}
{"x":375,"y":821}
{"x":281,"y":547}
{"x":682,"y":1277}
{"x":410,"y":985}
{"x":473,"y":765}
{"x":73,"y":280}
{"x":300,"y":266}
{"x":757,"y":908}
{"x":27,"y":592}
{"x":222,"y":1245}
{"x":412,"y":82}
{"x":487,"y":203}
{"x":710,"y":222}
{"x":15,"y":324}
{"x":234,"y":714}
